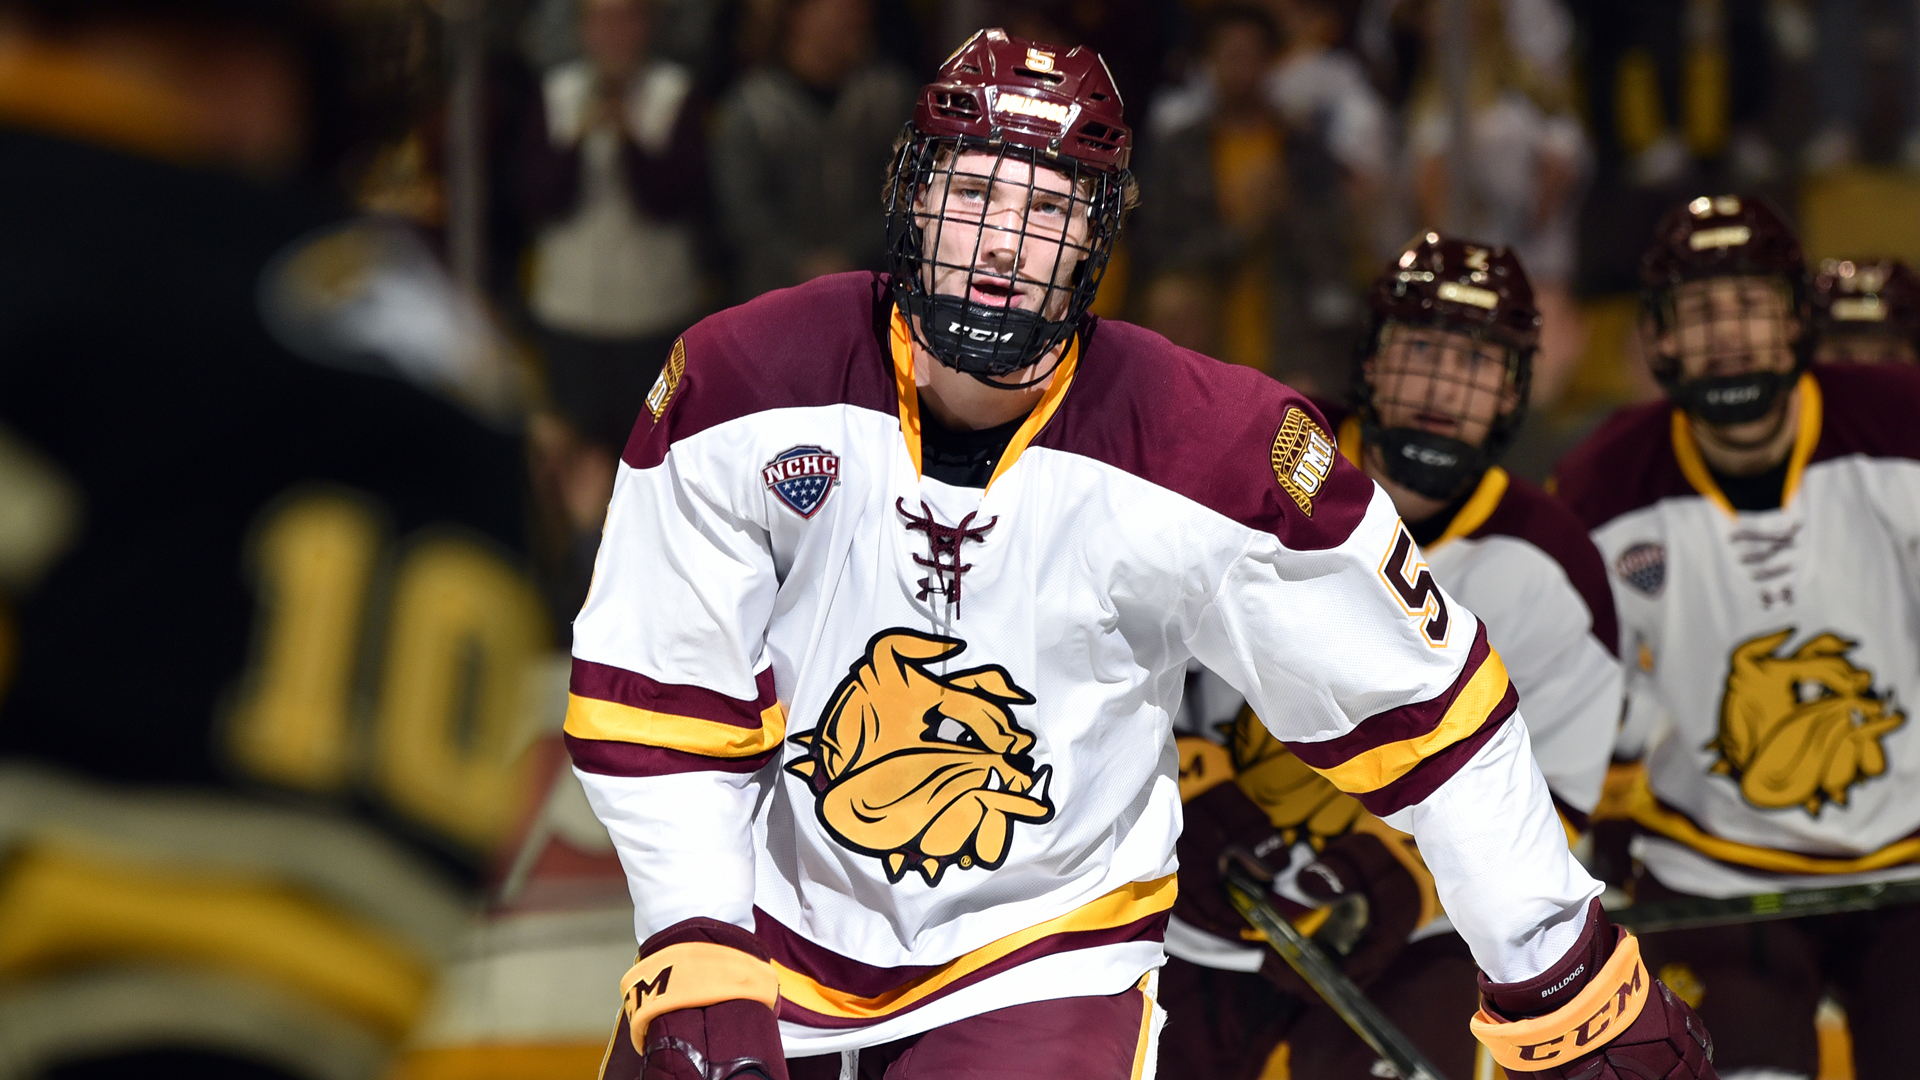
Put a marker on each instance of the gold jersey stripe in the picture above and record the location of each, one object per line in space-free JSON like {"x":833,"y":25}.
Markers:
{"x":1145,"y":1043}
{"x":62,"y":910}
{"x":1382,"y":765}
{"x":1694,"y":467}
{"x":1647,"y":812}
{"x":610,"y":721}
{"x":1129,"y":903}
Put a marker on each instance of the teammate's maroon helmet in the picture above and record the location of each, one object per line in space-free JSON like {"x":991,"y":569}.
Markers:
{"x":1480,"y":291}
{"x":1724,"y":236}
{"x":1010,"y":97}
{"x":1866,"y":309}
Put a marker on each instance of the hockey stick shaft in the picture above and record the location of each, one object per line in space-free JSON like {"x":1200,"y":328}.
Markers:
{"x":1695,"y":914}
{"x":1325,"y":977}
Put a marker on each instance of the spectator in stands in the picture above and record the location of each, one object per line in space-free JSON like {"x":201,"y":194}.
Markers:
{"x":800,"y":146}
{"x":1320,"y":85}
{"x":1215,"y":182}
{"x":613,"y":182}
{"x":1526,"y":158}
{"x":1843,"y":68}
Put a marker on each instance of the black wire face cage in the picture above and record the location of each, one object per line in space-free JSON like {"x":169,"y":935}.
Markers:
{"x":1466,"y":378}
{"x":987,"y":268}
{"x":1733,"y":323}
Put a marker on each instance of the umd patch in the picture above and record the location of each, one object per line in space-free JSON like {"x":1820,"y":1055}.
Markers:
{"x":668,"y":383}
{"x":1302,"y":458}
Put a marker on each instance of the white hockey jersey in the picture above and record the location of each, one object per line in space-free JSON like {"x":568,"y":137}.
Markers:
{"x":1523,"y":563}
{"x":1773,"y":656}
{"x":917,"y":736}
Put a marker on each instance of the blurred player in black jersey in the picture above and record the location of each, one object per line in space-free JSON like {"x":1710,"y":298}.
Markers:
{"x":266,"y":628}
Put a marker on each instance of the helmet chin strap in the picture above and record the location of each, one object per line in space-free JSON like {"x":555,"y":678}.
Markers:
{"x":1427,"y":464}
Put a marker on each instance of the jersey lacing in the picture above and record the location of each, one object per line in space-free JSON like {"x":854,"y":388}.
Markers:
{"x":943,"y":547}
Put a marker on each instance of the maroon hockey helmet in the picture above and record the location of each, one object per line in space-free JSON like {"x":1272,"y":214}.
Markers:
{"x":1007,"y":97}
{"x":1478,"y":290}
{"x":1861,"y":298}
{"x":1722,"y":236}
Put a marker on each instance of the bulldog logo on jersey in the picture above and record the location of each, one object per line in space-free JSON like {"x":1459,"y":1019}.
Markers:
{"x":919,"y":770}
{"x":803,"y":477}
{"x":1801,"y":729}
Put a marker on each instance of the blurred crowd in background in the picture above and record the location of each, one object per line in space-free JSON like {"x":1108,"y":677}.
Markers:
{"x":517,"y":206}
{"x":648,"y":161}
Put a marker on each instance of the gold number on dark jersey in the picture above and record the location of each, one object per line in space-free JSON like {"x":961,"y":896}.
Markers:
{"x":457,"y":640}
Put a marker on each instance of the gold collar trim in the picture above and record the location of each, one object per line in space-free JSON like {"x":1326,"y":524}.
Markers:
{"x":1693,"y":465}
{"x":908,"y":395}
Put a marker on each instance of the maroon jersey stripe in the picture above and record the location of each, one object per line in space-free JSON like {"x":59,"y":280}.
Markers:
{"x":608,"y":683}
{"x":1398,"y":725}
{"x":841,"y":973}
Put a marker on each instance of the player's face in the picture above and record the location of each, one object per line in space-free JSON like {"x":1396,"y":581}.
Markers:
{"x":1441,"y":382}
{"x":1731,"y":326}
{"x":1865,"y":347}
{"x":1000,"y":232}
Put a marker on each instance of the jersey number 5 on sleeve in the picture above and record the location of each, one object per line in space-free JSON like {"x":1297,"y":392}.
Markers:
{"x":1412,"y":584}
{"x":449,"y":660}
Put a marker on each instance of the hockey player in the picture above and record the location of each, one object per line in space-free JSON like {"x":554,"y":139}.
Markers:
{"x":898,"y":589}
{"x":1440,"y":389}
{"x":1866,"y":311}
{"x":1761,"y":529}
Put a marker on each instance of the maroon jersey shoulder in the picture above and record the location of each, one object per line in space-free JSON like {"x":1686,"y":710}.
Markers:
{"x":1228,"y":437}
{"x":1527,"y":513}
{"x":1627,"y":463}
{"x":1868,"y":409}
{"x":819,"y":343}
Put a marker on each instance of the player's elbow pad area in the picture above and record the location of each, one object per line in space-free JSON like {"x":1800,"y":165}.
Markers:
{"x":1394,"y":759}
{"x":622,"y":723}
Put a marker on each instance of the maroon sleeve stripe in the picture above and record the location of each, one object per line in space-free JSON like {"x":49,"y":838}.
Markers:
{"x":1425,"y":778}
{"x":605,"y":682}
{"x":1395,"y":725}
{"x":631,"y":759}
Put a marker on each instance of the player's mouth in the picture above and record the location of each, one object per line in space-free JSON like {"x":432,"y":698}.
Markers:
{"x":993,"y":291}
{"x":1436,"y":423}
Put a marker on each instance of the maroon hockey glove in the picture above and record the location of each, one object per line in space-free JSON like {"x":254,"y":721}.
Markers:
{"x":700,"y":1005}
{"x":1222,"y":825}
{"x":1358,"y":865}
{"x":1595,"y":1015}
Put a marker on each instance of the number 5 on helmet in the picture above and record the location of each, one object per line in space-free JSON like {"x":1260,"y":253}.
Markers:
{"x":1595,"y":1015}
{"x":699,"y":1005}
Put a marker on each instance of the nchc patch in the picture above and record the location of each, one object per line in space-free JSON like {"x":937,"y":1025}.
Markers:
{"x":1643,"y":566}
{"x":668,"y":383}
{"x":1302,"y":458}
{"x":803,"y":477}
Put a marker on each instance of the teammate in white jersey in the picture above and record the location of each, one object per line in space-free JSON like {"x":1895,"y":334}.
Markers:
{"x":1440,"y":390}
{"x":1763,"y":534}
{"x":896,"y":597}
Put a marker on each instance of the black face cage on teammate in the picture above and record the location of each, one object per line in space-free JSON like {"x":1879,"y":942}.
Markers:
{"x":1729,"y":323}
{"x":1446,"y":372}
{"x":930,"y":196}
